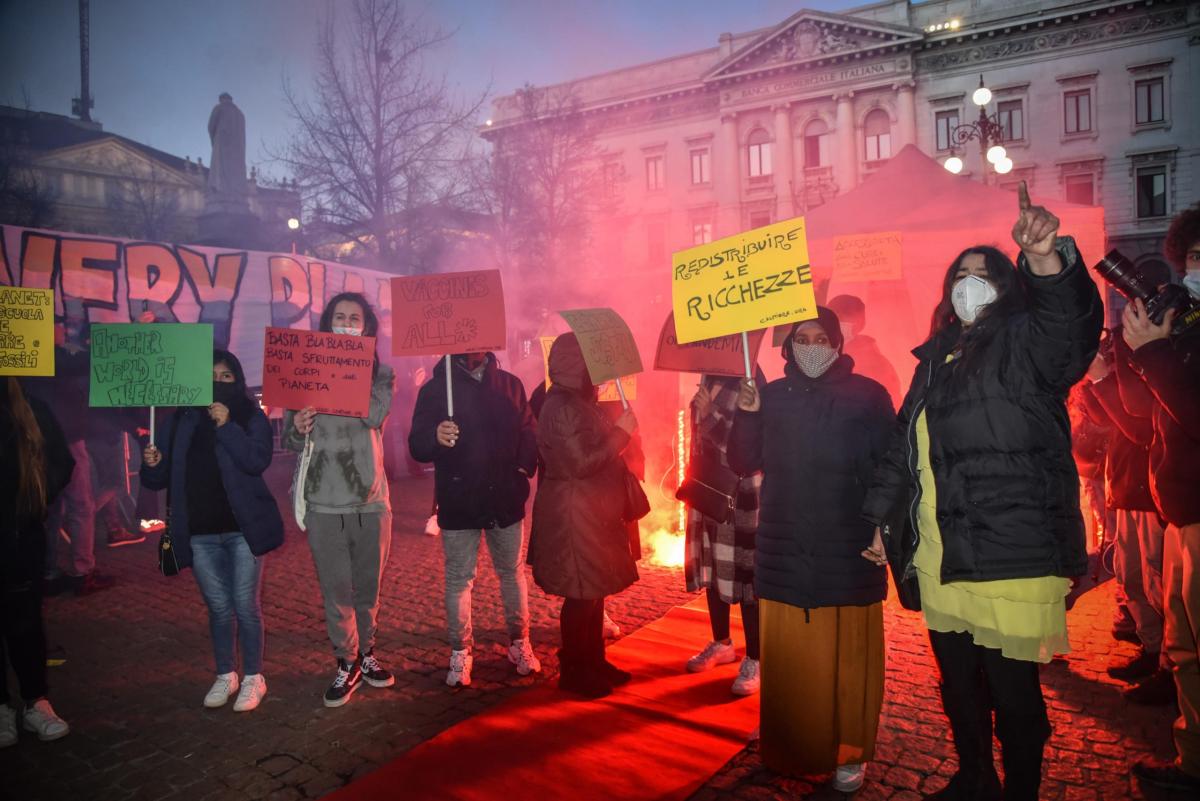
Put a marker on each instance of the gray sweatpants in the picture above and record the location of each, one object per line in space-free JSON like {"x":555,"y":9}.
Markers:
{"x":349,"y":552}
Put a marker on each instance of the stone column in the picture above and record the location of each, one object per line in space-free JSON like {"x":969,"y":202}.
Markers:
{"x":846,"y":171}
{"x":728,"y":158}
{"x":906,"y":113}
{"x":785,"y":174}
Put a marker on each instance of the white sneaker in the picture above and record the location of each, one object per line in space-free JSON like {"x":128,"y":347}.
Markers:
{"x":460,"y":668}
{"x":431,"y":526}
{"x":521,"y":654}
{"x":254,"y":687}
{"x":749,"y":678}
{"x":849,"y":778}
{"x":225,"y":686}
{"x":40,"y":718}
{"x":715,"y":653}
{"x":8,"y":726}
{"x":611,"y":629}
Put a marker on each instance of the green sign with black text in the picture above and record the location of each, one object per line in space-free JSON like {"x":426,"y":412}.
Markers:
{"x":151,"y":364}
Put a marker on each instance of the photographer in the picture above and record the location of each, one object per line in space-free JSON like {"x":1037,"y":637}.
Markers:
{"x":1169,"y":363}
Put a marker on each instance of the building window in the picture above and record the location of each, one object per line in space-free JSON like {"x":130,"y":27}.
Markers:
{"x":611,"y":178}
{"x":945,"y":122}
{"x":1011,"y":117}
{"x":816,"y":144}
{"x":1148,"y":101}
{"x":1152,"y":192}
{"x":760,"y":218}
{"x":700,"y":167}
{"x":1081,"y":189}
{"x":701,"y":233}
{"x":1077,"y":112}
{"x":655,"y":168}
{"x":877,"y":128}
{"x":760,"y":153}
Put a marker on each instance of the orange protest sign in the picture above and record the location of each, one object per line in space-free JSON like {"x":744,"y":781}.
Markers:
{"x":867,"y":257}
{"x":447,"y":313}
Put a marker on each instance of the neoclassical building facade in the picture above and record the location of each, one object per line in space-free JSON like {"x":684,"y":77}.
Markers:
{"x":1098,"y":103}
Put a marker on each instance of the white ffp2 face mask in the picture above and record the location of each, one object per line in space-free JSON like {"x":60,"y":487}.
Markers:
{"x":1191,"y":282}
{"x":970,"y":295}
{"x":342,"y":329}
{"x":814,"y":360}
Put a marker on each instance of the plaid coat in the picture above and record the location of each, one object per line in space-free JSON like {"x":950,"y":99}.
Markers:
{"x":721,"y":555}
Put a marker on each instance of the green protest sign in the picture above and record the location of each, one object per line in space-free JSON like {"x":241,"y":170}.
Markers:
{"x":151,"y":364}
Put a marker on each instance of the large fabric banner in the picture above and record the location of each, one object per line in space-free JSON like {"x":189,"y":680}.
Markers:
{"x":239,"y":292}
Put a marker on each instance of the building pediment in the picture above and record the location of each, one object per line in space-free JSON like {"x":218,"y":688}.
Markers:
{"x":812,"y":38}
{"x":112,"y":156}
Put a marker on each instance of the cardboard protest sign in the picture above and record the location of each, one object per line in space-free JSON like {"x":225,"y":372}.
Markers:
{"x":330,"y":372}
{"x":745,"y":282}
{"x":151,"y":364}
{"x":26,"y":331}
{"x":867,"y":257}
{"x":448,"y":313}
{"x":720,"y":356}
{"x":606,"y":341}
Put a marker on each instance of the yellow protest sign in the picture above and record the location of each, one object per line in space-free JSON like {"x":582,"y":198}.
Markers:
{"x":26,"y":331}
{"x":867,"y":257}
{"x":745,"y":282}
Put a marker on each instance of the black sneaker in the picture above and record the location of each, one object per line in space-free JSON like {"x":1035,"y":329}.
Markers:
{"x":1137,"y":668}
{"x":374,"y":673}
{"x":91,"y":583}
{"x":119,"y":536}
{"x":344,"y":683}
{"x":1158,"y":689}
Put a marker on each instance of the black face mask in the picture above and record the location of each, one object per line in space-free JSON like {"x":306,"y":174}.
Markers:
{"x":225,"y":392}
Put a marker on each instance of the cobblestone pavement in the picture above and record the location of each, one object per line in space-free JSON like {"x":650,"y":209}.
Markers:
{"x":139,"y":663}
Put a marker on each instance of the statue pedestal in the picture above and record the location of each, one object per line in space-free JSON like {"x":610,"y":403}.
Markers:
{"x":229,"y":229}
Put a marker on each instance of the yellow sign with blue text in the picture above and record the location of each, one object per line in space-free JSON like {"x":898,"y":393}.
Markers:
{"x":752,"y":280}
{"x":26,"y":331}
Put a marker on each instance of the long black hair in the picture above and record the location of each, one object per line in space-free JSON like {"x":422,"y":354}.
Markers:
{"x":370,"y":320}
{"x":242,"y":405}
{"x":1010,"y":299}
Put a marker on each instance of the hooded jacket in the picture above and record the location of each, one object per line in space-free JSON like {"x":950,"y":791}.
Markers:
{"x":1000,"y":438}
{"x":345,"y":473}
{"x":479,"y":482}
{"x":580,"y":546}
{"x":816,"y":441}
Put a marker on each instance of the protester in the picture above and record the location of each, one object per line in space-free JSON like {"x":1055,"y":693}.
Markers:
{"x":580,"y":548}
{"x":983,"y":459}
{"x":1137,"y":561}
{"x":74,"y":511}
{"x":719,"y":553}
{"x":816,"y":434}
{"x":633,"y":456}
{"x":1170,"y":366}
{"x":483,"y":459}
{"x":223,"y":520}
{"x":864,"y":350}
{"x":342,"y":502}
{"x":36,"y":466}
{"x":1089,"y":446}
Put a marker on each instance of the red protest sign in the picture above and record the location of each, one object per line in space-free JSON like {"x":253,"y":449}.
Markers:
{"x":330,"y":372}
{"x":720,"y":356}
{"x":447,"y":313}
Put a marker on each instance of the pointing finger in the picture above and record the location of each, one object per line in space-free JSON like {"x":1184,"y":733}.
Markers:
{"x":1023,"y":197}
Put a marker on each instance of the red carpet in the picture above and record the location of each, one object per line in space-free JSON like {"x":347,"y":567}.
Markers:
{"x":659,"y":737}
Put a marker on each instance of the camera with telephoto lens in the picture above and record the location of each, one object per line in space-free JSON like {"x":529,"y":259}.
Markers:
{"x":1119,"y":271}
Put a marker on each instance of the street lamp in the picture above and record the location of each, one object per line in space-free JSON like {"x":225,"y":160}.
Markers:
{"x":293,"y":225}
{"x":989,"y":133}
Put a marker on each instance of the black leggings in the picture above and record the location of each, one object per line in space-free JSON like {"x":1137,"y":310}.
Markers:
{"x":718,"y":614}
{"x":976,"y":680}
{"x":22,"y":638}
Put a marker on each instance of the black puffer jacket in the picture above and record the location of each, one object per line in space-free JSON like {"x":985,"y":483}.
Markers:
{"x":478,"y":482}
{"x":816,"y":441}
{"x":1127,"y":469}
{"x":1000,"y":438}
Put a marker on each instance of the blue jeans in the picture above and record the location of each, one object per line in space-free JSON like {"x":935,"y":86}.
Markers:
{"x":230,"y":579}
{"x":461,"y":548}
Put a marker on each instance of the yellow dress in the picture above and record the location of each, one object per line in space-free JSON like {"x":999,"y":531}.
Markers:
{"x":1024,"y":618}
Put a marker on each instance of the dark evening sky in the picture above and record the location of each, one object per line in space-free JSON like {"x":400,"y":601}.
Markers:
{"x":157,"y":66}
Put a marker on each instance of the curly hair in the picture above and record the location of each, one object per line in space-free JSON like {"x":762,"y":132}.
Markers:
{"x":1183,"y":234}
